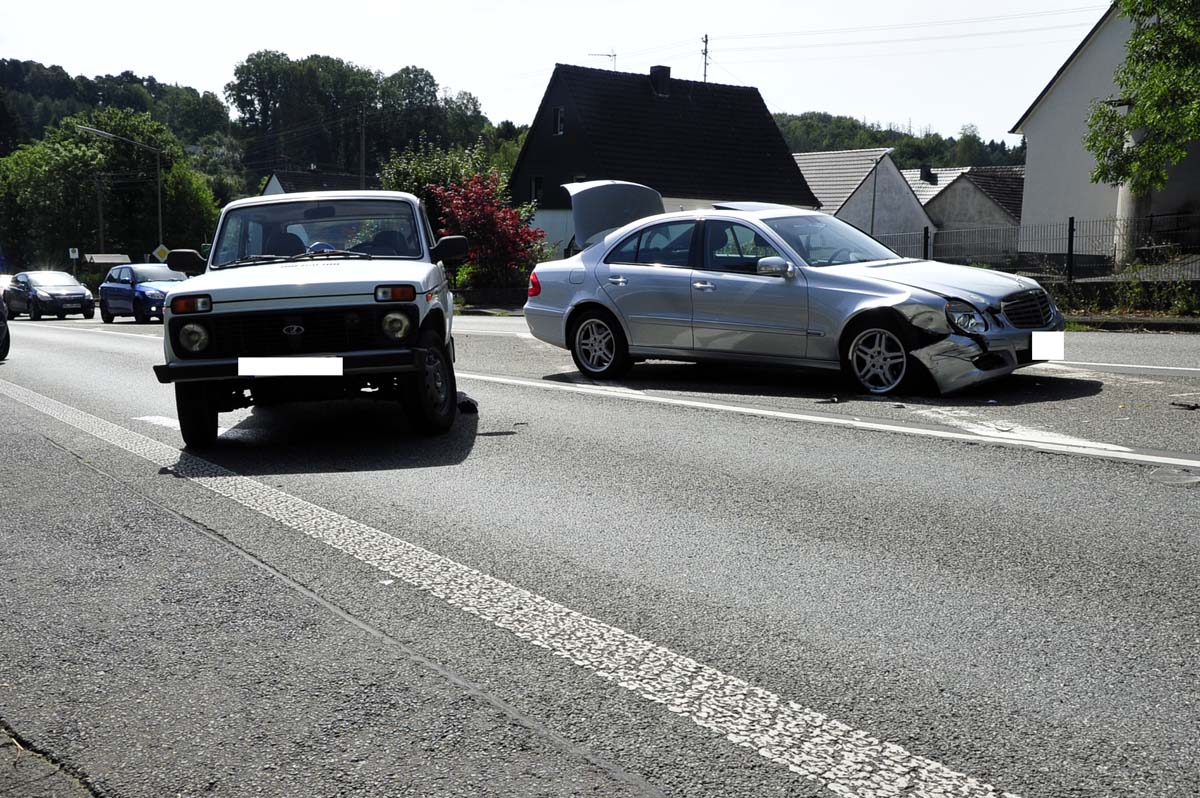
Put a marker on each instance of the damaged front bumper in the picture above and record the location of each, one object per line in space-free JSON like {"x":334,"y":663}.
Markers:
{"x":960,"y":361}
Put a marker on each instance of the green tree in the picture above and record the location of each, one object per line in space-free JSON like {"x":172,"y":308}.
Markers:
{"x":1139,"y":134}
{"x":968,"y":150}
{"x":426,"y":166}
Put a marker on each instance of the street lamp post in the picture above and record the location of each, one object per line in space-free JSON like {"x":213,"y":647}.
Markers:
{"x":157,"y":164}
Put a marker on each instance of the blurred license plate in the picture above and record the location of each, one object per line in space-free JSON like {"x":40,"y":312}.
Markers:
{"x":76,"y":306}
{"x":289,"y":367}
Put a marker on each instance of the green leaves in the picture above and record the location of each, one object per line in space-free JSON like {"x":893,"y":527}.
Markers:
{"x":1139,"y":134}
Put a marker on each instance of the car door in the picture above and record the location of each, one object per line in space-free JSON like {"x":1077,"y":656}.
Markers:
{"x":648,"y":278}
{"x":20,"y":294}
{"x":735,"y":309}
{"x":124,"y":291}
{"x":107,"y":287}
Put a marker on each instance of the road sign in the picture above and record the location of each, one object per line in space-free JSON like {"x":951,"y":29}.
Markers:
{"x":161,"y":252}
{"x":73,"y":253}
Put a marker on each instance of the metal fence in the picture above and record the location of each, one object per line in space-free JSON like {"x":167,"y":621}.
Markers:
{"x":1101,"y":250}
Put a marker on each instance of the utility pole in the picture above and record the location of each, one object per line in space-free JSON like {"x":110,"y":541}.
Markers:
{"x":705,"y":54}
{"x":100,"y":211}
{"x":362,"y":148}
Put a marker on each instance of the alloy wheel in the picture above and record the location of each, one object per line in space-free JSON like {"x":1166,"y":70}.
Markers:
{"x":595,"y":344}
{"x":878,"y":359}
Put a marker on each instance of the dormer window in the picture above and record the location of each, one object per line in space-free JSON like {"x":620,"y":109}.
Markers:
{"x":560,"y":119}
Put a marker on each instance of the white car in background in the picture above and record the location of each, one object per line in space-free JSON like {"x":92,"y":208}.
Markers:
{"x":315,"y":296}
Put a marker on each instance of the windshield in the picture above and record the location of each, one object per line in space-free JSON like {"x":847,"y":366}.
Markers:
{"x":372,"y":227}
{"x":158,"y":273}
{"x":825,"y":241}
{"x":52,"y":279}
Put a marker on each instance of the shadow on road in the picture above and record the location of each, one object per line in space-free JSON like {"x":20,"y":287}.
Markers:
{"x":758,"y":381}
{"x":345,"y":436}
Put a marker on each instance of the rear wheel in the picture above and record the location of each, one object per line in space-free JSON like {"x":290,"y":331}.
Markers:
{"x":197,"y":414}
{"x":431,"y":398}
{"x":875,"y":355}
{"x":598,"y":345}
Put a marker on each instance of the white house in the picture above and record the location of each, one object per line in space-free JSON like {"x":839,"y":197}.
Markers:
{"x":969,"y":197}
{"x":864,"y":188}
{"x":1058,"y":168}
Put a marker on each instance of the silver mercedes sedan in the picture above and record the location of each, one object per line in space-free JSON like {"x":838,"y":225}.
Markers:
{"x":758,"y":283}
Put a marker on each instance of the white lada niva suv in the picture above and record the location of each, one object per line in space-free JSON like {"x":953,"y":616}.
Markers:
{"x":315,"y":296}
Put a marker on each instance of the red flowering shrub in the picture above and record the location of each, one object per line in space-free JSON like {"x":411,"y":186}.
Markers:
{"x":502,"y":247}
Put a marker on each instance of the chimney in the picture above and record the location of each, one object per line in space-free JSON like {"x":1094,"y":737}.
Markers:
{"x":928,"y":175}
{"x":660,"y":80}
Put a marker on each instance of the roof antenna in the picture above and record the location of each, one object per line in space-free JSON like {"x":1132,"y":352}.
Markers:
{"x":705,"y":54}
{"x":612,"y":56}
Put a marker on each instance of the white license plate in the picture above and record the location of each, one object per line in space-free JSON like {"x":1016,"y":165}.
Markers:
{"x":289,"y":367}
{"x":71,"y":307}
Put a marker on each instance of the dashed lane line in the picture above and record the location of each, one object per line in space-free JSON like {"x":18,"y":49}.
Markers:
{"x":846,"y":761}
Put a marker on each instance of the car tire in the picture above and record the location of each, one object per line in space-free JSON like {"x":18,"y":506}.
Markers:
{"x":598,"y":345}
{"x":875,"y":355}
{"x":139,"y":314}
{"x":35,"y":313}
{"x":61,"y":316}
{"x":89,"y":314}
{"x":5,"y":343}
{"x":105,"y":315}
{"x":197,"y":414}
{"x":431,"y":396}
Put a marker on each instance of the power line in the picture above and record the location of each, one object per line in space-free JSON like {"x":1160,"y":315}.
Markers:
{"x":906,"y":40}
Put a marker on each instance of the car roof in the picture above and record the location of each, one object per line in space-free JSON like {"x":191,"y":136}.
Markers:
{"x":317,"y":196}
{"x":760,"y":214}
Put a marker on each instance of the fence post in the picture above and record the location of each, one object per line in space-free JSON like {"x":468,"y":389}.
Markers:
{"x":1070,"y":249}
{"x":925,"y":244}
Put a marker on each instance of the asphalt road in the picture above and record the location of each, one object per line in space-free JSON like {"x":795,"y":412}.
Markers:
{"x":698,"y":582}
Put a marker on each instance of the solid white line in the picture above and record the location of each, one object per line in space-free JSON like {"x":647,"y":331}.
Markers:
{"x":500,"y":333}
{"x":1085,"y":448}
{"x":846,"y":761}
{"x":1127,"y":366}
{"x":155,"y":338}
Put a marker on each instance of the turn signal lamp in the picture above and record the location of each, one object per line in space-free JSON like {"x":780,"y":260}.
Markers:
{"x":191,"y":304}
{"x":395,"y":293}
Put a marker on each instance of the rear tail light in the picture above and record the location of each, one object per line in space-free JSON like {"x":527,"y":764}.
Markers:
{"x":535,"y":286}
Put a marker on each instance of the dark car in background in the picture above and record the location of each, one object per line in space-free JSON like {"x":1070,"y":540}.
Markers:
{"x":4,"y":341}
{"x":48,"y":293}
{"x":136,"y":290}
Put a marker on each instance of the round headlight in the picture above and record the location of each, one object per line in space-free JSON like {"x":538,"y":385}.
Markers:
{"x":193,"y":337}
{"x":396,"y":325}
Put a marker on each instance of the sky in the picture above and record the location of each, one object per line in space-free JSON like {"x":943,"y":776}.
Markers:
{"x":924,"y":64}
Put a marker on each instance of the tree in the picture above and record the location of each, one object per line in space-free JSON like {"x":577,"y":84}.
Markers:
{"x":969,"y":149}
{"x":427,"y":167}
{"x":1139,"y":134}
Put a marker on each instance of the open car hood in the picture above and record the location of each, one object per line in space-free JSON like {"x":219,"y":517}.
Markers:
{"x":600,"y":206}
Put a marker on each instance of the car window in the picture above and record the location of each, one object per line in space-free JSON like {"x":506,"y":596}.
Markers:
{"x":823,"y":240}
{"x":111,"y":277}
{"x":667,"y":244}
{"x":733,"y":247}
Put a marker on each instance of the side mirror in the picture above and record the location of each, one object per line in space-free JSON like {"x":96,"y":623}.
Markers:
{"x":188,"y":261}
{"x":450,"y":248}
{"x":775,"y":266}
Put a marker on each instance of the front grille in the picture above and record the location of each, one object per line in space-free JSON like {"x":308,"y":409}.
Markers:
{"x":324,"y":330}
{"x":1027,"y":310}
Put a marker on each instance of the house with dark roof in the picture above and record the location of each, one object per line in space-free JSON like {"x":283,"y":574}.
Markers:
{"x":1058,"y":168}
{"x":695,"y":143}
{"x":296,"y":182}
{"x":864,"y":188}
{"x":960,"y":198}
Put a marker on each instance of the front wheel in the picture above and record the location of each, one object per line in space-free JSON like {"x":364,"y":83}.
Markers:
{"x":35,"y":313}
{"x":598,"y":345}
{"x":139,"y":313}
{"x":875,"y":356}
{"x":90,"y":314}
{"x":431,"y":398}
{"x":197,"y":414}
{"x":5,"y":343}
{"x":105,"y":315}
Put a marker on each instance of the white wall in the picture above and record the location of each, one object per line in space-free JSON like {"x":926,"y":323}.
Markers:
{"x":1182,"y":194}
{"x":558,"y":226}
{"x":1057,"y":167}
{"x":962,"y":206}
{"x":897,"y":209}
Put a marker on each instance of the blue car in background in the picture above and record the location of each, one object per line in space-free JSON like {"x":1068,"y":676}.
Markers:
{"x":136,"y":290}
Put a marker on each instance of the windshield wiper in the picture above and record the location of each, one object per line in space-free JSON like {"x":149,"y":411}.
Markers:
{"x":334,"y":253}
{"x":251,"y":260}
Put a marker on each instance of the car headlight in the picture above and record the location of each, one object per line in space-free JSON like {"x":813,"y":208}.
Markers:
{"x":965,"y":318}
{"x":42,"y":295}
{"x":154,"y":295}
{"x":396,"y":325}
{"x":194,"y":337}
{"x":87,"y":293}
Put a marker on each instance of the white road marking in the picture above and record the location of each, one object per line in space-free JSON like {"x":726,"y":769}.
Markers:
{"x":1129,"y":366}
{"x":155,"y":338}
{"x":1176,"y":395}
{"x":501,"y":333}
{"x":170,"y":423}
{"x":1112,"y":378}
{"x":972,"y":422}
{"x":846,"y":761}
{"x":1085,"y":448}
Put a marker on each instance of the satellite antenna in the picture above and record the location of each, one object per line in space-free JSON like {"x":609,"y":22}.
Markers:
{"x":611,"y":56}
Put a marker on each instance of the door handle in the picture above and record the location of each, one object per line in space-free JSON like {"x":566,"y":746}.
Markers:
{"x":618,"y":280}
{"x":703,"y":285}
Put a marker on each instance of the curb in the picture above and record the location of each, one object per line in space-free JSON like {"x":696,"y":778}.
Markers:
{"x":469,"y":310}
{"x":1145,"y":323}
